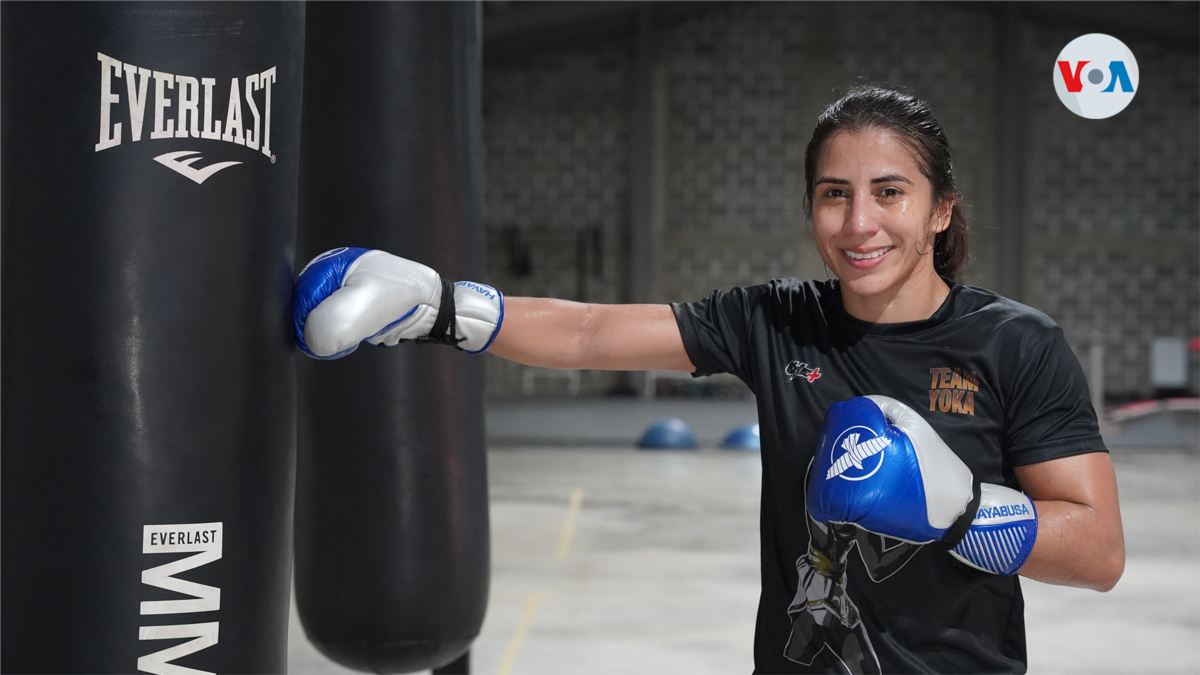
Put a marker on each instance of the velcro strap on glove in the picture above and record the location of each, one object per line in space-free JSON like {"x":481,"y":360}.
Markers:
{"x":444,"y":329}
{"x":959,"y":530}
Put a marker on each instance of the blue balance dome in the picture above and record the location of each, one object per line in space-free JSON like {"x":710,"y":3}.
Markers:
{"x":745,"y":437}
{"x":668,"y":434}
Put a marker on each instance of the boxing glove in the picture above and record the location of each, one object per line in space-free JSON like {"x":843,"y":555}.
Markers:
{"x":348,"y":295}
{"x":880,"y":466}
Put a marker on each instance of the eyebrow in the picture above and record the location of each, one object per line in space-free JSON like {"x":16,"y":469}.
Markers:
{"x":834,"y":181}
{"x":892,"y":178}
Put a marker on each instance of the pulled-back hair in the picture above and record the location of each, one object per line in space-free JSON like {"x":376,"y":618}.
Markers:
{"x":910,"y":118}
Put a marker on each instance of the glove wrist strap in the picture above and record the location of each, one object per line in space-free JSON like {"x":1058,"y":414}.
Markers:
{"x":444,"y":331}
{"x":959,"y":530}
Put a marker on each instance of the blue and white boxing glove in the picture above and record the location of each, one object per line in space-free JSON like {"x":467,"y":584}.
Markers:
{"x":348,"y":295}
{"x":880,"y":466}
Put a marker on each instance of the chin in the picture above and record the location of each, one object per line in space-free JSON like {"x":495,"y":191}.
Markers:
{"x":865,"y":284}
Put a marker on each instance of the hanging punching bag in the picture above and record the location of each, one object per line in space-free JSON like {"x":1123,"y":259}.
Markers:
{"x":392,"y":550}
{"x":149,"y":160}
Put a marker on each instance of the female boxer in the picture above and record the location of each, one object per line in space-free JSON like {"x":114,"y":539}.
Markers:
{"x":922,"y":440}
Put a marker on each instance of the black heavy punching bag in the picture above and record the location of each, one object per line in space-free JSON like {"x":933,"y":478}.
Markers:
{"x":149,"y":161}
{"x":392,"y":550}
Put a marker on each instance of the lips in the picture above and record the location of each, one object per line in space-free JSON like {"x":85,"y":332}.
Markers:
{"x":866,"y":259}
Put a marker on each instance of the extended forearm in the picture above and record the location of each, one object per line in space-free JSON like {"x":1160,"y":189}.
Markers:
{"x":544,"y":332}
{"x":562,"y":334}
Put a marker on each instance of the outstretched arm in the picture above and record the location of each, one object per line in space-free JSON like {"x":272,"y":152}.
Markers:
{"x":348,"y":295}
{"x":1080,"y":541}
{"x":564,"y":334}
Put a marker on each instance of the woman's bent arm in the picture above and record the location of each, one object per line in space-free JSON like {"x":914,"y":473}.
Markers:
{"x":1080,"y":541}
{"x":573,"y":335}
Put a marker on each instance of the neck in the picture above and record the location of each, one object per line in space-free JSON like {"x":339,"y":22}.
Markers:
{"x":916,"y":300}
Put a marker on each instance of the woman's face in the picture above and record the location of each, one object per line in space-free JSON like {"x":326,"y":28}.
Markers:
{"x":873,"y":216}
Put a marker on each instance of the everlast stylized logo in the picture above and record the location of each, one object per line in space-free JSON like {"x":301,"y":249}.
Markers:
{"x":953,"y":390}
{"x":203,"y":539}
{"x":245,"y":122}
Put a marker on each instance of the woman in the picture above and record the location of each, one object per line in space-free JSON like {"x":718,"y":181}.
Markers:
{"x":993,"y":379}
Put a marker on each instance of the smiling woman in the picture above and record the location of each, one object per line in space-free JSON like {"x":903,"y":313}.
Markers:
{"x":884,"y":206}
{"x":875,"y":226}
{"x":951,"y":430}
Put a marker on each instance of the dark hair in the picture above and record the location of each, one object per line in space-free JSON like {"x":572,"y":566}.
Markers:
{"x":866,"y":106}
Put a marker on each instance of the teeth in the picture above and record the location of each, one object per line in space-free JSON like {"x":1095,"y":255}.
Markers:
{"x":868,"y":256}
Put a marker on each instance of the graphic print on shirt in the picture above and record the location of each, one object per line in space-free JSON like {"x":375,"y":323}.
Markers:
{"x":823,"y":614}
{"x":799,"y":369}
{"x":953,"y":390}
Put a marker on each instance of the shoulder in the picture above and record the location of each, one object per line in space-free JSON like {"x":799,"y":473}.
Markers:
{"x":1023,"y":341}
{"x":791,"y":303}
{"x":780,"y":304}
{"x":1004,"y":317}
{"x":788,"y":294}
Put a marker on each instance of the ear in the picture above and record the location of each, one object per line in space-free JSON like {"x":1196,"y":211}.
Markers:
{"x":941,"y":216}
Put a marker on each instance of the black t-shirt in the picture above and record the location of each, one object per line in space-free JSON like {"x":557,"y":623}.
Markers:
{"x":995,"y":379}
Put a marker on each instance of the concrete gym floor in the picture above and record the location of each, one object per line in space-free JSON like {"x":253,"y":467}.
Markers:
{"x":607,"y":559}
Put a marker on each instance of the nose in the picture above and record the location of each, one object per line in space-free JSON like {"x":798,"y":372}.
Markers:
{"x":860,"y":217}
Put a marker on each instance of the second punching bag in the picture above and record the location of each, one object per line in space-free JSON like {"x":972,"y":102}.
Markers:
{"x":392,"y":551}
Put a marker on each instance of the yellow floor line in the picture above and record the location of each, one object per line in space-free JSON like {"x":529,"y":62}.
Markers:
{"x":568,"y":528}
{"x":518,"y":637}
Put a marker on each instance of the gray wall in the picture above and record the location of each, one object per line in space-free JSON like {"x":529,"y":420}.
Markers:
{"x":1112,"y":210}
{"x":556,"y":137}
{"x":1108,"y":211}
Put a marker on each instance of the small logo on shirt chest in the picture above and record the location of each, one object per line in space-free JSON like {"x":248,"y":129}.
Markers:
{"x":953,"y":390}
{"x":798,"y":369}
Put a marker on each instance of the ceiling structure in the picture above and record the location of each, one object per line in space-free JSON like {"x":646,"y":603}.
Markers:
{"x":522,"y":27}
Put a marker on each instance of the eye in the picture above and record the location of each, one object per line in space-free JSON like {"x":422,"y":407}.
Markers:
{"x":835,"y":193}
{"x":890,"y":192}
